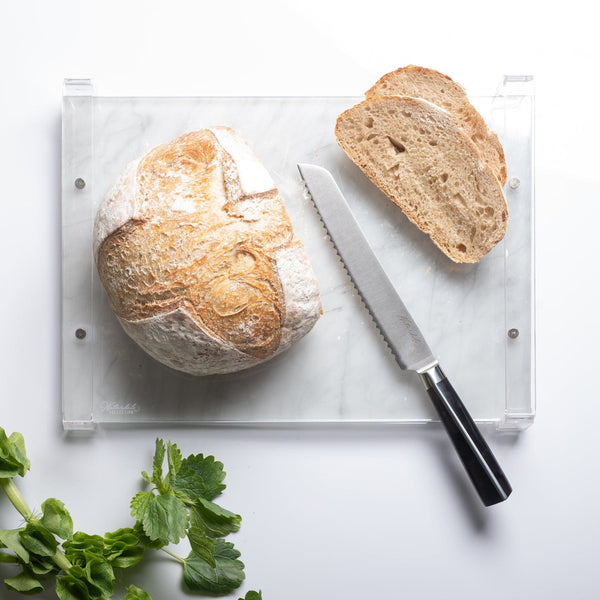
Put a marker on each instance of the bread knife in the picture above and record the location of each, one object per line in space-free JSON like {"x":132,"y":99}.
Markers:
{"x":402,"y":334}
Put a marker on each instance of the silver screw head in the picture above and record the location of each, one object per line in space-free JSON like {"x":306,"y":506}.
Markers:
{"x":513,"y":333}
{"x":80,"y":183}
{"x":514,"y":183}
{"x":80,"y":333}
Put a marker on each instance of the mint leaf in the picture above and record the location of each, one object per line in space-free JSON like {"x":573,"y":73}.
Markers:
{"x":56,"y":518}
{"x":144,"y":540}
{"x":38,"y":540}
{"x":25,"y":583}
{"x":11,"y":539}
{"x":13,"y":458}
{"x":199,"y":476}
{"x":135,"y":593}
{"x":140,"y":505}
{"x":159,"y":457}
{"x":202,"y":545}
{"x":227,"y":576}
{"x":163,"y":517}
{"x":213,"y":519}
{"x":174,"y":460}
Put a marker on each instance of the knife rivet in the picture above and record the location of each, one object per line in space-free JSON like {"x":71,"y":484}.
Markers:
{"x":80,"y":333}
{"x":513,"y":333}
{"x":514,"y":183}
{"x":80,"y":183}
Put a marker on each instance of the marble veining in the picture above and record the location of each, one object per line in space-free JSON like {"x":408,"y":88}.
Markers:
{"x":342,"y":370}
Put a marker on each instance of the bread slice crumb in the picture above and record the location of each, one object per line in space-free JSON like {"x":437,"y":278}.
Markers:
{"x":441,"y":90}
{"x":417,"y":154}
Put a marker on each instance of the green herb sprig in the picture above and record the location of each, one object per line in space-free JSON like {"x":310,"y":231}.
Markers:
{"x":179,"y":504}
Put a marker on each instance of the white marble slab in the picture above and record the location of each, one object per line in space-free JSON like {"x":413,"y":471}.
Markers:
{"x":341,"y":371}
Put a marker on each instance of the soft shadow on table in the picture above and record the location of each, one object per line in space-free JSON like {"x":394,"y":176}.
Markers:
{"x":431,"y":438}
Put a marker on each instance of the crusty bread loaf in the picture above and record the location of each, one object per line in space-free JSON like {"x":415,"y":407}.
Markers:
{"x":419,"y":157}
{"x":419,"y":82}
{"x":197,"y":255}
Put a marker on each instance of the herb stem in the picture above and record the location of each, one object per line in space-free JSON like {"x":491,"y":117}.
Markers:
{"x":178,"y":558}
{"x":61,"y":561}
{"x":15,"y":496}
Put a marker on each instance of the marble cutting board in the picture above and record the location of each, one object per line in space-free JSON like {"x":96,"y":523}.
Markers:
{"x":342,"y":370}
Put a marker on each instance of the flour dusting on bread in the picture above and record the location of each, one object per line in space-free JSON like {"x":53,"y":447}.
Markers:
{"x":193,"y":246}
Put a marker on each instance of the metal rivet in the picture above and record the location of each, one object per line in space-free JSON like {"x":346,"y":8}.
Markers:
{"x":80,"y":183}
{"x":513,"y":333}
{"x":514,"y":183}
{"x":80,"y":333}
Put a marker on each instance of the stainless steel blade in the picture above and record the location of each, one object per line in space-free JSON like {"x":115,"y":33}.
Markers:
{"x":378,"y":293}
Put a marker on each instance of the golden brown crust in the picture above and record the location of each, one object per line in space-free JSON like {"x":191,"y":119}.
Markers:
{"x":201,"y":244}
{"x":431,"y":85}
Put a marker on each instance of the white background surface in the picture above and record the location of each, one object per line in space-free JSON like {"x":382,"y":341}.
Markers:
{"x":336,"y":512}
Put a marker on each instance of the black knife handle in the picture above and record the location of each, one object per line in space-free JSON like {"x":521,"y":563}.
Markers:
{"x":481,"y":465}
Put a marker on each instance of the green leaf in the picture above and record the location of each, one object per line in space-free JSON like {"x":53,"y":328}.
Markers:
{"x":38,"y":540}
{"x":42,"y":565}
{"x":82,"y":545}
{"x":135,"y":593}
{"x":127,"y":557}
{"x":125,"y":535}
{"x":159,"y":457}
{"x":144,"y":540}
{"x":56,"y":518}
{"x":174,"y":459}
{"x":163,"y":517}
{"x":6,"y":557}
{"x":11,"y":539}
{"x":100,"y":574}
{"x":82,"y":584}
{"x":73,"y":586}
{"x":227,"y":576}
{"x":252,"y":595}
{"x":199,"y":477}
{"x":122,"y":548}
{"x":25,"y":583}
{"x":202,"y":545}
{"x":140,"y":506}
{"x":13,"y":458}
{"x":214,"y":520}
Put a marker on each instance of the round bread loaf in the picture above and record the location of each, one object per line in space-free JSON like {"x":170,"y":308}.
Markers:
{"x":198,"y":257}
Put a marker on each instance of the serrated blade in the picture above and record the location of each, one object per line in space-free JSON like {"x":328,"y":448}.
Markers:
{"x":377,"y":291}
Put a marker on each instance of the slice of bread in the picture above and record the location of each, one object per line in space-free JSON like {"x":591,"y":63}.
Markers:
{"x":431,"y":85}
{"x":416,"y":153}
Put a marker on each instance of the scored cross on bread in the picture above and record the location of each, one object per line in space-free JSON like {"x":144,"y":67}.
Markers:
{"x":198,"y":257}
